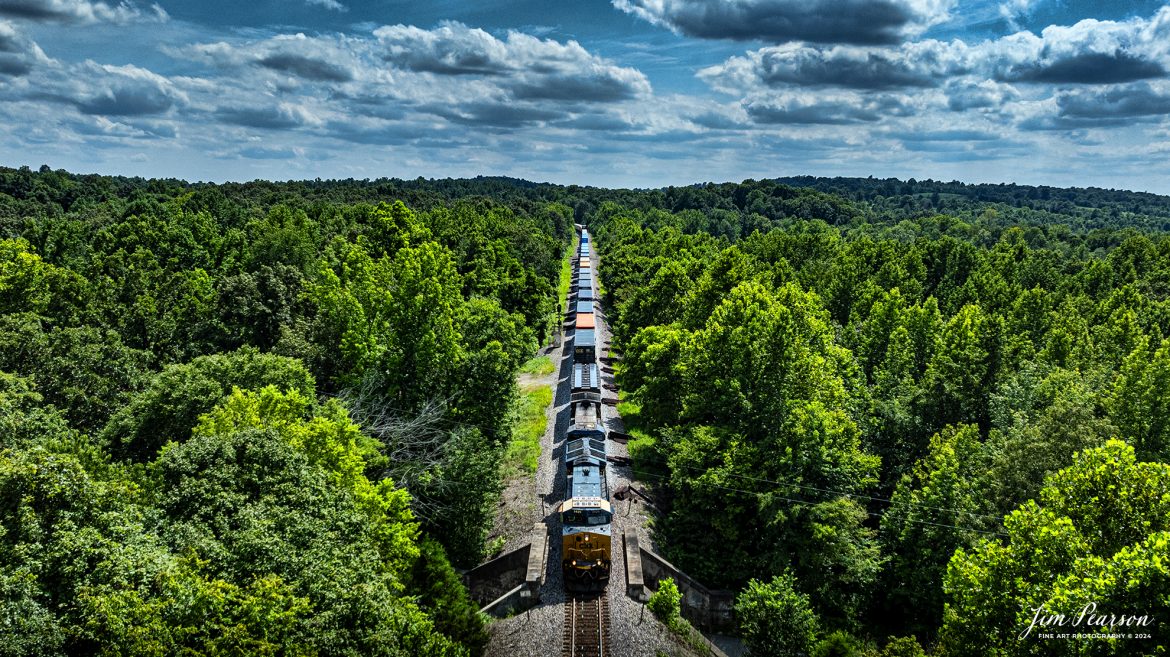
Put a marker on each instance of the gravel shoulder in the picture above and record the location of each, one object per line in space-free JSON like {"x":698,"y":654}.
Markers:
{"x":520,"y":507}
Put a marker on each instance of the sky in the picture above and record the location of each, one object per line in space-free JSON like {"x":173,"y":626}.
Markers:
{"x":615,"y":93}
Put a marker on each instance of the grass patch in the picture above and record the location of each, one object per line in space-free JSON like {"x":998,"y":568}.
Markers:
{"x":495,"y":546}
{"x":539,"y":365}
{"x":557,"y":314}
{"x":523,"y":451}
{"x":567,"y":271}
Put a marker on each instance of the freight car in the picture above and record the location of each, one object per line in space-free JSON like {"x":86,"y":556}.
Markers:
{"x":586,"y":385}
{"x":585,"y":346}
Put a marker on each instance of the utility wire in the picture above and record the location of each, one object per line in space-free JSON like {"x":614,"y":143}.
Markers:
{"x":835,"y":492}
{"x":811,"y":503}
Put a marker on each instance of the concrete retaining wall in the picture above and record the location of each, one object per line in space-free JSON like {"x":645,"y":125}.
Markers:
{"x":635,"y":584}
{"x":494,"y":578}
{"x":537,"y":565}
{"x":511,"y":582}
{"x":708,"y":610}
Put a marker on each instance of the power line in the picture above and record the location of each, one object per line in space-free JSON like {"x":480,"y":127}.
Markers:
{"x":811,"y":503}
{"x":847,"y":493}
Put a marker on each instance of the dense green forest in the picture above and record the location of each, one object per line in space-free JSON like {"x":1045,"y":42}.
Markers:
{"x":255,"y":419}
{"x":267,"y":418}
{"x":921,"y":427}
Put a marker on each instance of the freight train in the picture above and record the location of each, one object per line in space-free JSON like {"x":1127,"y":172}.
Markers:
{"x":586,"y":515}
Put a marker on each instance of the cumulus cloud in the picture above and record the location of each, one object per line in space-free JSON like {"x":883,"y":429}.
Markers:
{"x":269,"y":153}
{"x":1011,"y":10}
{"x":81,"y":11}
{"x":314,"y":59}
{"x":306,"y":67}
{"x":18,"y":53}
{"x":453,"y":93}
{"x":133,"y":128}
{"x":1137,"y":100}
{"x":1091,"y":74}
{"x":783,"y":21}
{"x":527,"y":66}
{"x":499,"y":114}
{"x":400,"y":82}
{"x":464,"y":76}
{"x":921,"y":64}
{"x":718,"y":120}
{"x":931,"y":134}
{"x":824,"y":109}
{"x":333,"y":5}
{"x":268,"y":116}
{"x":1088,"y":52}
{"x":1081,"y":109}
{"x":450,"y":49}
{"x":968,"y":94}
{"x":1089,"y":68}
{"x":99,"y":89}
{"x":127,"y":91}
{"x":607,"y":123}
{"x":382,"y":132}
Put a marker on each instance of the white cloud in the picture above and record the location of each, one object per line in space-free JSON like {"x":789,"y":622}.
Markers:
{"x":1012,"y":10}
{"x":451,"y":48}
{"x":98,"y":89}
{"x":81,"y":11}
{"x":1089,"y":51}
{"x":526,"y":66}
{"x":1089,"y":74}
{"x":972,"y":93}
{"x":918,"y":64}
{"x":333,"y":5}
{"x":18,"y":53}
{"x":783,"y":21}
{"x":328,"y":59}
{"x":827,"y":108}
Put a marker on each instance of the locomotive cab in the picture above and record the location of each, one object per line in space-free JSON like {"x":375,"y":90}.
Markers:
{"x":586,"y":540}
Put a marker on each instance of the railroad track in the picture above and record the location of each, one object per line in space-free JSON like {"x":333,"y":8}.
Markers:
{"x":586,"y":626}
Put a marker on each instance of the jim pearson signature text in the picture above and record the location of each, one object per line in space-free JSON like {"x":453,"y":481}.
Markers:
{"x":1087,"y":618}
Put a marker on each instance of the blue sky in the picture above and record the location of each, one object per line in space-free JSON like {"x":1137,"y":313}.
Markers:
{"x":631,"y":93}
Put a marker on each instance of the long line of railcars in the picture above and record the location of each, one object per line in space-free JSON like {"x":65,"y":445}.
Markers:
{"x":586,"y":514}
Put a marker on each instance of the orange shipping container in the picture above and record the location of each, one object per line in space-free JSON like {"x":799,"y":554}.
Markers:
{"x":585,"y":320}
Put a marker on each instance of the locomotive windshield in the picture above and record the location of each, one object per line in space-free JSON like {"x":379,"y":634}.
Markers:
{"x":585,"y":517}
